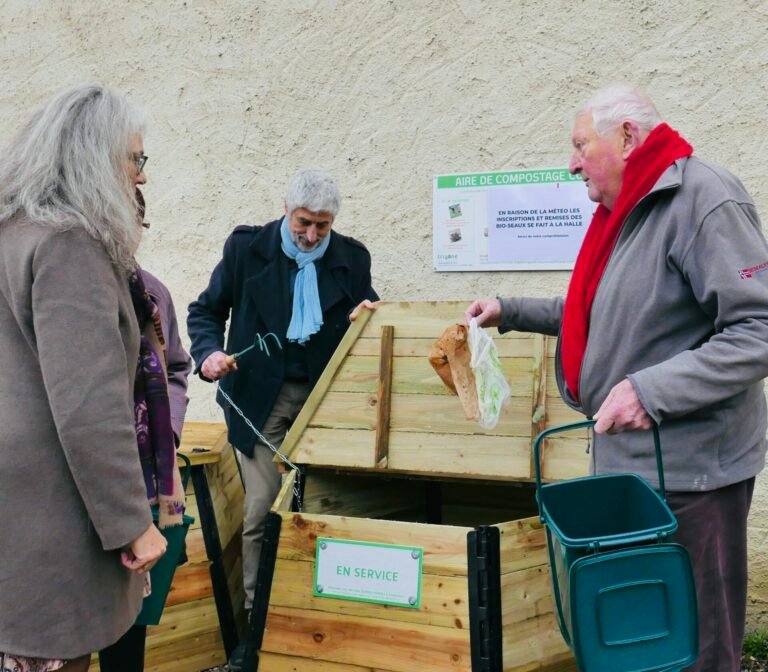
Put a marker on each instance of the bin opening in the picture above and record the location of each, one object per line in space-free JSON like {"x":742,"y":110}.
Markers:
{"x":600,"y":507}
{"x":404,"y":498}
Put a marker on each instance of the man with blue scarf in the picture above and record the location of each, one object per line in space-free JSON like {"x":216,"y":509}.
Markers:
{"x":293,"y":278}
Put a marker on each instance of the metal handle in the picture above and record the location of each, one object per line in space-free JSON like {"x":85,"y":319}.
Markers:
{"x":581,"y":425}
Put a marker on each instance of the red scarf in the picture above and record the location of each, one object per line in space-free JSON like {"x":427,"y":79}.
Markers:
{"x":644,"y":167}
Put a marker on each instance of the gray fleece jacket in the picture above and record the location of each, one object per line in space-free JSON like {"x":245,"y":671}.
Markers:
{"x":682,"y":312}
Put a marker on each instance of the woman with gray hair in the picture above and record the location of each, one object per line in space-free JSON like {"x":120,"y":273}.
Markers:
{"x":76,"y":526}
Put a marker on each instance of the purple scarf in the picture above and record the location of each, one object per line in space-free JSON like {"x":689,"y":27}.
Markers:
{"x":152,"y":408}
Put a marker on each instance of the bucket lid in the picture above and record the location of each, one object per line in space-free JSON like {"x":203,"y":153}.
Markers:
{"x":634,"y":610}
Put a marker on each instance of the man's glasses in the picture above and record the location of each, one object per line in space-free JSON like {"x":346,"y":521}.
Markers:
{"x":140,"y":160}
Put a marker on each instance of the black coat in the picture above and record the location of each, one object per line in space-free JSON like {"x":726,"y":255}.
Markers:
{"x":250,"y":286}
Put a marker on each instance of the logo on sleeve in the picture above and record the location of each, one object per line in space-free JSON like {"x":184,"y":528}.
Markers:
{"x":745,"y":273}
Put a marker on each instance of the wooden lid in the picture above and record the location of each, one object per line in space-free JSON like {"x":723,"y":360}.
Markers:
{"x":392,"y":413}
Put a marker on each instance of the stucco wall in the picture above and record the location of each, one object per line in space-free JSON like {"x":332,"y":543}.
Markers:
{"x":384,"y":94}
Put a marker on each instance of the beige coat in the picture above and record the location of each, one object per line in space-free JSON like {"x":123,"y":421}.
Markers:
{"x":71,"y":490}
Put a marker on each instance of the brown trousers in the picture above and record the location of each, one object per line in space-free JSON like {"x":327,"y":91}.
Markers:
{"x":713,"y":527}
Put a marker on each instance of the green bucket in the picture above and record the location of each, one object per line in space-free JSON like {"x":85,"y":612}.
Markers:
{"x":161,"y":574}
{"x":625,"y":599}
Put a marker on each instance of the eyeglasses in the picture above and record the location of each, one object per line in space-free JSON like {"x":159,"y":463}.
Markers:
{"x":140,"y":160}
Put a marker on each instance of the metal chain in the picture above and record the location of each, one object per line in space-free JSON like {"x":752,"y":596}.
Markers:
{"x":262,"y":438}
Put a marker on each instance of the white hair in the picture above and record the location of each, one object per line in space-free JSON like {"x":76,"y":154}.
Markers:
{"x":314,"y":190}
{"x":613,"y":104}
{"x":69,"y":166}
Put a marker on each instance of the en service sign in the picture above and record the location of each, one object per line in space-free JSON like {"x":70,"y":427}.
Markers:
{"x":366,"y":572}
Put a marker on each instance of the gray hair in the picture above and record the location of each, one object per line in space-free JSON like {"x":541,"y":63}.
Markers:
{"x":314,"y":190}
{"x":613,"y":104}
{"x":69,"y":167}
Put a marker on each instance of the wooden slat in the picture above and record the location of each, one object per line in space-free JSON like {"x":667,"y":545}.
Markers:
{"x":414,"y":375}
{"x":202,"y":442}
{"x":284,"y":498}
{"x":336,"y":447}
{"x":560,"y":414}
{"x":191,"y":582}
{"x":322,"y":385}
{"x":526,"y":594}
{"x":383,"y":397}
{"x":358,"y":641}
{"x":538,"y":393}
{"x":485,"y":456}
{"x":273,"y":662}
{"x":536,"y":645}
{"x":418,"y":413}
{"x":496,"y":457}
{"x":522,"y":545}
{"x":565,"y":458}
{"x":443,"y":598}
{"x":512,"y":344}
{"x":445,"y":547}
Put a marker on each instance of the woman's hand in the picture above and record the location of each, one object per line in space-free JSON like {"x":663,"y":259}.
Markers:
{"x":144,"y":551}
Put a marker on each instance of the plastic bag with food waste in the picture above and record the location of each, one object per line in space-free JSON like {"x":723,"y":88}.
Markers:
{"x":493,"y":390}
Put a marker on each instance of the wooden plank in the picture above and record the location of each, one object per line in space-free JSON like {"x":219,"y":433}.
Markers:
{"x":284,"y":498}
{"x":185,"y":621}
{"x":564,"y":458}
{"x":191,"y":582}
{"x":526,"y":594}
{"x":560,"y":414}
{"x":522,"y":544}
{"x":202,"y":442}
{"x":538,"y":393}
{"x":445,"y":547}
{"x":383,"y":397}
{"x":512,"y":344}
{"x":497,"y":457}
{"x":427,"y":413}
{"x":196,"y":546}
{"x":443,"y":598}
{"x":364,"y":641}
{"x":415,"y":375}
{"x":418,"y":413}
{"x":273,"y":662}
{"x":536,"y":645}
{"x":322,"y":385}
{"x":336,"y":447}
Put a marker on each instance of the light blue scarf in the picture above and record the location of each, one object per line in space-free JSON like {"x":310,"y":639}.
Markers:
{"x":306,"y":316}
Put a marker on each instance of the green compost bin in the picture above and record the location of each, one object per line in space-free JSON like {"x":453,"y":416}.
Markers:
{"x":161,"y":575}
{"x":625,"y":598}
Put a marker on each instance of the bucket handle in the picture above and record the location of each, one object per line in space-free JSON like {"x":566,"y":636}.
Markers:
{"x":588,"y":424}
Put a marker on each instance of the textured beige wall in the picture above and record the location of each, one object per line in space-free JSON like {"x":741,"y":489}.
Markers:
{"x":384,"y":94}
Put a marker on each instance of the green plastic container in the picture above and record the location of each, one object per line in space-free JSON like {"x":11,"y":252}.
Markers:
{"x":162,"y":573}
{"x":625,"y":599}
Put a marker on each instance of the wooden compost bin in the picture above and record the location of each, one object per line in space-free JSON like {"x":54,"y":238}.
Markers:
{"x":205,"y":603}
{"x":388,"y":457}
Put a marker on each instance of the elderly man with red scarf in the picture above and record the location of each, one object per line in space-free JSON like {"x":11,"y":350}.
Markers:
{"x":666,"y":321}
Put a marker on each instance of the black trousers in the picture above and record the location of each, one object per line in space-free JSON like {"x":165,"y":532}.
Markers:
{"x":127,"y":653}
